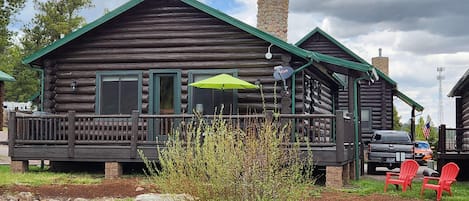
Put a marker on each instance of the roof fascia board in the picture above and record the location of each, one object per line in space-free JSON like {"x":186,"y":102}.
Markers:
{"x":347,"y":50}
{"x":461,"y":83}
{"x":409,"y":101}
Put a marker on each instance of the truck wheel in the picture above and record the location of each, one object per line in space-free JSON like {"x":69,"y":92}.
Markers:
{"x":371,"y":168}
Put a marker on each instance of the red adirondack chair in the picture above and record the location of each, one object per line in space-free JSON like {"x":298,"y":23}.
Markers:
{"x":447,"y":177}
{"x":404,"y":178}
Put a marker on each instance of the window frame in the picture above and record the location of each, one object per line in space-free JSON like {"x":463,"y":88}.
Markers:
{"x":370,"y":119}
{"x":177,"y":91}
{"x":213,"y":72}
{"x":99,"y":79}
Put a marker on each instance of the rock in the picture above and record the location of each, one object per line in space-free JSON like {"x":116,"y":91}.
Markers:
{"x":164,"y":197}
{"x":80,"y":199}
{"x":25,"y":196}
{"x":138,"y":189}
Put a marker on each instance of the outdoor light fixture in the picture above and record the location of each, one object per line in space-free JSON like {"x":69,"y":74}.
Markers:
{"x":268,"y":55}
{"x":74,"y":86}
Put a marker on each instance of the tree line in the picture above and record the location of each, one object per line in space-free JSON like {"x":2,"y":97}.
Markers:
{"x":53,"y":19}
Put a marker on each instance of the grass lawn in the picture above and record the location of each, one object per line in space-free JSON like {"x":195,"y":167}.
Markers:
{"x":37,"y":177}
{"x":369,"y":186}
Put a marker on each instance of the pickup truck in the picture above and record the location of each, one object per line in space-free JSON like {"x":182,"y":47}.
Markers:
{"x":388,"y":148}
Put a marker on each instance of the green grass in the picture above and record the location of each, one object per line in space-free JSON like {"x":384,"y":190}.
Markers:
{"x":370,"y":186}
{"x":36,"y":177}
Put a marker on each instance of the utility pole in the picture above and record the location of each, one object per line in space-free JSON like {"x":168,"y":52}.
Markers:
{"x":440,"y":77}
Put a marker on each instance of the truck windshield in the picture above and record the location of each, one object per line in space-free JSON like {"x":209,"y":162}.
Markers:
{"x":392,"y":138}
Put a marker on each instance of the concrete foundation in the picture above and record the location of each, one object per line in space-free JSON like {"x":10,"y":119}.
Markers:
{"x":19,"y":166}
{"x":112,"y":170}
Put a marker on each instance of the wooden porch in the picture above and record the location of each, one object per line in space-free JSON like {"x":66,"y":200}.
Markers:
{"x":116,"y":138}
{"x":452,"y":148}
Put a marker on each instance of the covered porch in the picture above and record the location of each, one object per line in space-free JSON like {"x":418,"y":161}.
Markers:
{"x":115,"y":139}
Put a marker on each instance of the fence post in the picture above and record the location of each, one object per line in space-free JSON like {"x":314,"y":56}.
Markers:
{"x":11,"y":133}
{"x":339,"y":137}
{"x":442,"y":139}
{"x":134,"y":137}
{"x":71,"y":134}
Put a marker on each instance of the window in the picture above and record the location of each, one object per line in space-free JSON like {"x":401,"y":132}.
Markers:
{"x":118,"y":93}
{"x":366,"y":120}
{"x":210,"y":100}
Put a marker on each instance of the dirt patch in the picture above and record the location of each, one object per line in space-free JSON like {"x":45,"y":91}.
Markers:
{"x":124,"y":188}
{"x":116,"y":188}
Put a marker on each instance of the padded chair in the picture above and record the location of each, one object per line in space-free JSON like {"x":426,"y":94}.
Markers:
{"x":449,"y":172}
{"x":404,"y":177}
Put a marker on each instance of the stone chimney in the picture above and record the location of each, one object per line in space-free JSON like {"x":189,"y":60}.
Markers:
{"x":272,"y":17}
{"x":380,"y":62}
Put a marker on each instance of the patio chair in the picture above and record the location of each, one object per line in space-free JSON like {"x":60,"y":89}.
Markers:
{"x":404,"y":178}
{"x":447,"y":177}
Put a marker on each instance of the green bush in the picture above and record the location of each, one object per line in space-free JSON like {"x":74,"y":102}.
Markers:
{"x":222,"y":161}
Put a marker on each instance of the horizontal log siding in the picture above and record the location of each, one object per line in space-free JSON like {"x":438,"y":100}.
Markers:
{"x":465,"y":118}
{"x":372,"y":96}
{"x":161,"y":35}
{"x":378,"y":97}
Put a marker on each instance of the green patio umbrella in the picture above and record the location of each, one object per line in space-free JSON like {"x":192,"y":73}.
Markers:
{"x":222,"y":82}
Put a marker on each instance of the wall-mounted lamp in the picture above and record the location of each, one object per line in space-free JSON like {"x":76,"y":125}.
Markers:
{"x":74,"y":86}
{"x":269,"y":55}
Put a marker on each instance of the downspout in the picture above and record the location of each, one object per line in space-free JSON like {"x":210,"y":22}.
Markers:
{"x":41,"y":71}
{"x":293,"y":84}
{"x":355,"y":124}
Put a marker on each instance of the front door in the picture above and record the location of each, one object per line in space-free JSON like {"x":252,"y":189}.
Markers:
{"x":166,"y":92}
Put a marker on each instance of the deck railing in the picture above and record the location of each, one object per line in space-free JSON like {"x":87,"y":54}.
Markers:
{"x":135,"y":130}
{"x":452,"y":139}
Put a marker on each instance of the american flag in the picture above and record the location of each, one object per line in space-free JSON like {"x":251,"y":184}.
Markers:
{"x":426,"y":130}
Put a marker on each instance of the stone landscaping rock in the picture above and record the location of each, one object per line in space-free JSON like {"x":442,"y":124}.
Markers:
{"x":138,"y":189}
{"x":25,"y":196}
{"x":164,"y":197}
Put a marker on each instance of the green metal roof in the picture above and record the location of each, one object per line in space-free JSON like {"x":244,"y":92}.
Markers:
{"x":341,"y":62}
{"x":409,"y":101}
{"x":460,"y":85}
{"x":399,"y":94}
{"x":6,"y":77}
{"x":341,"y":46}
{"x":59,"y":43}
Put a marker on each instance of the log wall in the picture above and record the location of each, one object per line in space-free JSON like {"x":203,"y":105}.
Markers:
{"x":377,"y":96}
{"x":160,"y":35}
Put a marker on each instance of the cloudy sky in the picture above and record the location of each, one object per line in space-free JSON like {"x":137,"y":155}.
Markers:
{"x":417,"y":36}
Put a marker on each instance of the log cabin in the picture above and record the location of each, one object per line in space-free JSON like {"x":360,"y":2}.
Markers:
{"x":376,"y":99}
{"x":118,"y":84}
{"x":453,"y":143}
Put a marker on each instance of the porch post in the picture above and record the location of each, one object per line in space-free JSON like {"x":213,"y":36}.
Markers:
{"x":339,"y":137}
{"x":11,"y":133}
{"x":71,"y":134}
{"x":134,"y":138}
{"x":442,"y":139}
{"x":412,"y":124}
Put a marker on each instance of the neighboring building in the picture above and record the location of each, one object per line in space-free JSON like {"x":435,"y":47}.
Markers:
{"x":453,"y":143}
{"x":143,"y":55}
{"x":376,"y":99}
{"x":3,"y":78}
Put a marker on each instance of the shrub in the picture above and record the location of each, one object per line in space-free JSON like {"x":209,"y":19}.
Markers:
{"x":226,"y":160}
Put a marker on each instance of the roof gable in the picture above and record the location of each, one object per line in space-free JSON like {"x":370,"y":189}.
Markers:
{"x":194,"y":3}
{"x":318,"y":30}
{"x":459,"y":87}
{"x":73,"y":35}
